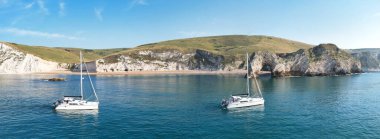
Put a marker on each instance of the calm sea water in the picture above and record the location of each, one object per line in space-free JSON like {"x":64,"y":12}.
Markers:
{"x":187,"y":106}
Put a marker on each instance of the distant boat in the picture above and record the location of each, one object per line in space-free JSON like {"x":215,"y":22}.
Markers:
{"x":246,"y":99}
{"x":78,"y":102}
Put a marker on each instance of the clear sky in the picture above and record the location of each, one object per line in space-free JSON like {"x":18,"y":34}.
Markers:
{"x":128,"y":23}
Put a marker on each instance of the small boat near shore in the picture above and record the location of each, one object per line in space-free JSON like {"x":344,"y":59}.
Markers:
{"x":78,"y":102}
{"x":246,"y":99}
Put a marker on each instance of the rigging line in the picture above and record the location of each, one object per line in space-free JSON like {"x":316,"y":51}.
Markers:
{"x":249,"y":94}
{"x":257,"y":85}
{"x":81,"y":76}
{"x":92,"y":85}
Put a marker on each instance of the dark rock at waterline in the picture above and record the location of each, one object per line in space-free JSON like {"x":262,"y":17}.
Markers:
{"x":56,"y":79}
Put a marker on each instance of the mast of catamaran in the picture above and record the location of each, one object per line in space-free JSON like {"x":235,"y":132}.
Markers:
{"x":248,"y":76}
{"x":81,"y":76}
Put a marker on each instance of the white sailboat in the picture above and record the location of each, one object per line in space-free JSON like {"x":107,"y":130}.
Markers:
{"x":78,"y":102}
{"x":245,"y":100}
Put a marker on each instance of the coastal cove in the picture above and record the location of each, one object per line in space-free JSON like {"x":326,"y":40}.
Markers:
{"x":187,"y":105}
{"x":189,"y":69}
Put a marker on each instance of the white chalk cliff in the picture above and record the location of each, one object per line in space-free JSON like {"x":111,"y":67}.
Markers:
{"x":162,"y":61}
{"x":321,"y":60}
{"x":146,"y":61}
{"x":15,"y":61}
{"x":369,"y":58}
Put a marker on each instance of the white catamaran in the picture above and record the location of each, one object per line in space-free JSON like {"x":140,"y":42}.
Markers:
{"x":78,"y":102}
{"x":245,"y":100}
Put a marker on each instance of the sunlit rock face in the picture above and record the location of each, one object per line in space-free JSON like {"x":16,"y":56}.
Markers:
{"x":321,"y":60}
{"x":15,"y":61}
{"x":369,"y":58}
{"x":162,"y":61}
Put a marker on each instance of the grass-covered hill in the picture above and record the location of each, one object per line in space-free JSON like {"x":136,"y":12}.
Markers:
{"x":231,"y":45}
{"x":227,"y":45}
{"x":65,"y":55}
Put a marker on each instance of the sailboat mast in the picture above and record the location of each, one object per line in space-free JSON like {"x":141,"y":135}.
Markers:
{"x":248,"y":76}
{"x":81,"y":76}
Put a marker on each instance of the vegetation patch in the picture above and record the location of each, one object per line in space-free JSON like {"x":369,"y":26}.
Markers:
{"x":64,"y":55}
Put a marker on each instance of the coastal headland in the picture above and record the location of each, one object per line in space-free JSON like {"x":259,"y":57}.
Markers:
{"x":203,"y":55}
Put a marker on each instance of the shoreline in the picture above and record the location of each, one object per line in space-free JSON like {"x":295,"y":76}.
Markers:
{"x":168,"y":72}
{"x":184,"y":72}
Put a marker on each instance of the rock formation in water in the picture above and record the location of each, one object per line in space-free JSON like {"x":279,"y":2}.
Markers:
{"x":15,"y":61}
{"x":322,"y":60}
{"x":369,"y":58}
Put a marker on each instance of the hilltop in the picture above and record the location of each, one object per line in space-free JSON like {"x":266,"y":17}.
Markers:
{"x":229,"y":45}
{"x":225,"y":45}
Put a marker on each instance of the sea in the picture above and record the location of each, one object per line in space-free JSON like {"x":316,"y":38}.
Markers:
{"x":188,"y":106}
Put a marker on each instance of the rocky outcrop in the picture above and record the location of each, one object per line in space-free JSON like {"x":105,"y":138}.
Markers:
{"x":322,"y":60}
{"x":145,"y":60}
{"x":163,"y":61}
{"x":203,"y":60}
{"x":369,"y":58}
{"x":15,"y":61}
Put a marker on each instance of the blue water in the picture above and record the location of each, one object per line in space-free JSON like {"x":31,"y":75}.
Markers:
{"x":187,"y":106}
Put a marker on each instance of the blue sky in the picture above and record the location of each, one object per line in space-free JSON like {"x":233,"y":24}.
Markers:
{"x":129,"y":23}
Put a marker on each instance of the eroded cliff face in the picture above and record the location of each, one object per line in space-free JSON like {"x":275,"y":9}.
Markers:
{"x":15,"y":61}
{"x":369,"y":58}
{"x":162,"y":61}
{"x":322,"y":60}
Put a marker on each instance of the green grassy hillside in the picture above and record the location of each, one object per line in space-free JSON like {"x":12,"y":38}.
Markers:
{"x":230,"y":46}
{"x":65,"y":55}
{"x":226,"y":45}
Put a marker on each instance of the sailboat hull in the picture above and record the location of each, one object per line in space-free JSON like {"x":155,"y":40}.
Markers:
{"x":244,"y":102}
{"x":78,"y":102}
{"x":76,"y":105}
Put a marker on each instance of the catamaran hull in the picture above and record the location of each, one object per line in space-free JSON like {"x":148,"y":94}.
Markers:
{"x":238,"y":104}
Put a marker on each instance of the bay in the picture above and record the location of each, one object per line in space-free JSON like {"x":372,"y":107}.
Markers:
{"x":187,"y":106}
